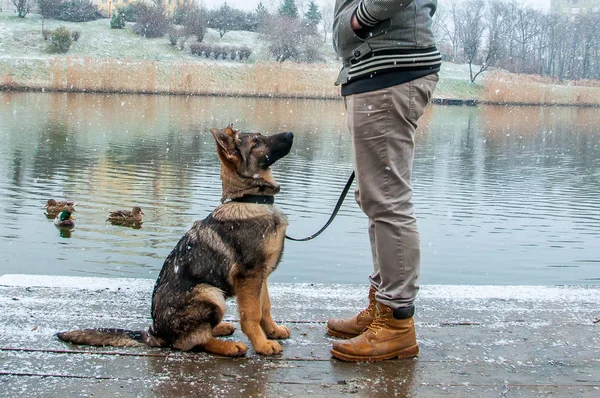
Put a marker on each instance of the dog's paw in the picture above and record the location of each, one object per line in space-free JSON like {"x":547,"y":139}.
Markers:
{"x":223,"y":329}
{"x":226,"y":348}
{"x":278,"y":332}
{"x":270,"y":347}
{"x":236,"y":349}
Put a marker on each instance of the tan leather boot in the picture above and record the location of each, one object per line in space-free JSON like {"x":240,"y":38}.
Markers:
{"x":351,"y":327}
{"x":385,"y":338}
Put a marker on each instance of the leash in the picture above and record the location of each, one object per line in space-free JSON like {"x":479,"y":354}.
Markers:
{"x":335,"y":211}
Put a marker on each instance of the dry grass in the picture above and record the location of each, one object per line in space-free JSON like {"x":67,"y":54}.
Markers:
{"x":84,"y":74}
{"x":506,"y":88}
{"x":263,"y":79}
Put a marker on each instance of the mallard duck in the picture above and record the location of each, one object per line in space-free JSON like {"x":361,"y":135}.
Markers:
{"x":126,"y":216}
{"x":56,"y":206}
{"x":64,"y":220}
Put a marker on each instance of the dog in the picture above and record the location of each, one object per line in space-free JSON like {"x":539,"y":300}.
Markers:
{"x":229,"y":253}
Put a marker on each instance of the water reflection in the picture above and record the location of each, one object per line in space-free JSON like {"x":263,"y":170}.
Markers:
{"x":504,"y":195}
{"x":64,"y":232}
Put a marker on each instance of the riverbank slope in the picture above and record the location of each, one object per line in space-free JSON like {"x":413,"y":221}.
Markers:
{"x":119,"y":61}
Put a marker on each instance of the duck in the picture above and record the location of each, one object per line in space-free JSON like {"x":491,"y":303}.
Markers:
{"x":56,"y":206}
{"x":126,"y":216}
{"x":64,"y":219}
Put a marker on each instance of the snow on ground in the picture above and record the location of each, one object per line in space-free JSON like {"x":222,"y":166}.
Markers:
{"x":454,"y":292}
{"x":22,"y":38}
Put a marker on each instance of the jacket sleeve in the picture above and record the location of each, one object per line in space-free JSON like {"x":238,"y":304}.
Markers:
{"x":371,"y":12}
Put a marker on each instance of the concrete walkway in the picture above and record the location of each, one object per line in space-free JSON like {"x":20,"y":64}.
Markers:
{"x":475,"y":341}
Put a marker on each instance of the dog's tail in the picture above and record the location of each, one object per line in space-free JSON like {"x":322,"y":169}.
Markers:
{"x":110,"y":337}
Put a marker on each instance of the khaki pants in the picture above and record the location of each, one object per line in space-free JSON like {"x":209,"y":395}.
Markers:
{"x":382,"y":124}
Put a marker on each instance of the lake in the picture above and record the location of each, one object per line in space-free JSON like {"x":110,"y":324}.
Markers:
{"x":503,"y":195}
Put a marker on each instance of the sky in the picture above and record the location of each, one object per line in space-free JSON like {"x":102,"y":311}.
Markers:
{"x":273,"y":4}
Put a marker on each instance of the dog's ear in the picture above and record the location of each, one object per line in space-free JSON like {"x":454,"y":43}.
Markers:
{"x":226,"y":142}
{"x":230,"y":131}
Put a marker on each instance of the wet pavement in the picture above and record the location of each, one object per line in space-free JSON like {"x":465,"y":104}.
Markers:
{"x":475,"y":341}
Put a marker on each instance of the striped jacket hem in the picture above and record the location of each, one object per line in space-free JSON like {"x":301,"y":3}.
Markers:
{"x":396,"y":59}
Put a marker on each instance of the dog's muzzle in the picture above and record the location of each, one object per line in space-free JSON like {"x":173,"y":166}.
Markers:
{"x":280,"y":145}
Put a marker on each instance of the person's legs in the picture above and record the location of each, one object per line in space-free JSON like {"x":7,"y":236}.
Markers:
{"x":382,"y":124}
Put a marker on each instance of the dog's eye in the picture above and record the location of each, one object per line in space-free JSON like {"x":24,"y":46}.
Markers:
{"x":254,"y":146}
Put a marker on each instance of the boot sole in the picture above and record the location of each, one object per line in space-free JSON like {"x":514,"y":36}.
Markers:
{"x":340,"y":335}
{"x":404,"y":353}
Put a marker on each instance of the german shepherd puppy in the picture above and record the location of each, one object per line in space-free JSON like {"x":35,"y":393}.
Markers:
{"x":229,"y":253}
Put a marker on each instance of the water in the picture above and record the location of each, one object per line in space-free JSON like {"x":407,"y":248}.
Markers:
{"x":504,"y":195}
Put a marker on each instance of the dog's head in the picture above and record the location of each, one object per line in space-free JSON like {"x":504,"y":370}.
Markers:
{"x":246,"y":159}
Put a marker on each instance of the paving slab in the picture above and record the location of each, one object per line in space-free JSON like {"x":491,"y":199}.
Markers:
{"x":474,"y":340}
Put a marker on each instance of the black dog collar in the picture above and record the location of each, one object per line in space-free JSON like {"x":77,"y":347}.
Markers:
{"x":257,"y":199}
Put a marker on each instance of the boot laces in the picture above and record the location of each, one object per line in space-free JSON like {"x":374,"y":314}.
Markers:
{"x":379,"y":322}
{"x":370,"y":310}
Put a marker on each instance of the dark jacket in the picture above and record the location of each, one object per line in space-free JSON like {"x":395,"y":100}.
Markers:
{"x":395,"y":36}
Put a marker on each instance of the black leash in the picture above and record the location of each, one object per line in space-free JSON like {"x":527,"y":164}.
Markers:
{"x":335,"y":211}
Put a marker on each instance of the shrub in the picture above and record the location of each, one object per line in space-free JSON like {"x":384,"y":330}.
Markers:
{"x":196,"y":49}
{"x":150,"y":21}
{"x":46,"y":34}
{"x":201,"y":48}
{"x":130,"y":11}
{"x":244,"y":52}
{"x":179,"y":14}
{"x":117,"y":21}
{"x":61,"y":40}
{"x":175,"y":34}
{"x":208,"y":49}
{"x":77,"y":11}
{"x":217,"y":52}
{"x":75,"y":35}
{"x":48,"y":8}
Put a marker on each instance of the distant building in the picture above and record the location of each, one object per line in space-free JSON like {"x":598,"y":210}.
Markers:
{"x":108,"y":6}
{"x":574,"y":8}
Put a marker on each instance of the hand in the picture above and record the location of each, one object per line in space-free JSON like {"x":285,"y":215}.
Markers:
{"x":354,"y":23}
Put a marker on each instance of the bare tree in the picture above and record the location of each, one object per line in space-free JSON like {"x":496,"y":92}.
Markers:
{"x":451,"y":27}
{"x":327,"y":20}
{"x":518,"y":38}
{"x":527,"y":28}
{"x":194,"y":23}
{"x":289,"y":39}
{"x":224,"y":19}
{"x":493,"y":38}
{"x":23,"y":7}
{"x":590,"y":39}
{"x":440,"y":20}
{"x":470,"y":32}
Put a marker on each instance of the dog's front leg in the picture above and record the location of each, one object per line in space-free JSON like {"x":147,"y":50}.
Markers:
{"x":248,"y":292}
{"x":273,"y":330}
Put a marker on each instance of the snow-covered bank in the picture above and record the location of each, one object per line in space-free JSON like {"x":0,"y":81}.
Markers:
{"x":588,"y":294}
